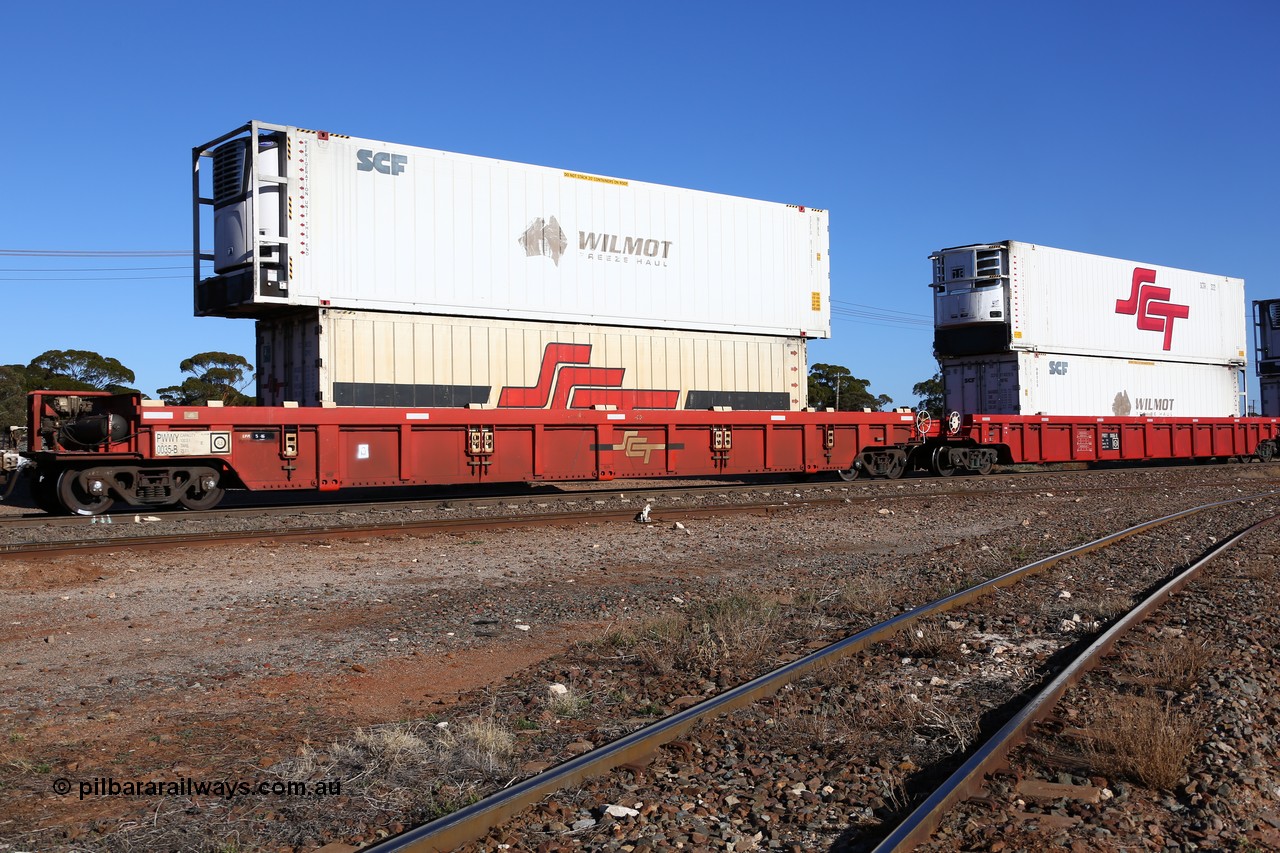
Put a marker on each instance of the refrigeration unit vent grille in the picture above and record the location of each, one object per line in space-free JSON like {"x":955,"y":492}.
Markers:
{"x":228,"y":172}
{"x":989,"y":263}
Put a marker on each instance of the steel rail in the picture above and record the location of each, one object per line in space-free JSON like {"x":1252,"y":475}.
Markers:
{"x":641,"y":489}
{"x":470,"y":823}
{"x":445,"y":525}
{"x":323,"y":529}
{"x":969,"y":777}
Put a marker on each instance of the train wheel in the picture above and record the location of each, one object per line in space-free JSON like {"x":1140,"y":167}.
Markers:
{"x":76,"y":499}
{"x":194,"y":499}
{"x":853,"y":472}
{"x":1266,"y":451}
{"x":984,"y":465}
{"x":44,"y":492}
{"x":940,"y":461}
{"x":897,"y":465}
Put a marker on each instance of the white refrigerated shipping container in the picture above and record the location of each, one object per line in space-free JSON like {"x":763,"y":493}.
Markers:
{"x":1029,"y":383}
{"x":1013,"y":296}
{"x":314,"y":219}
{"x":349,"y":358}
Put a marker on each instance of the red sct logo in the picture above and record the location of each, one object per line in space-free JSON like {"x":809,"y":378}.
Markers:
{"x":1150,"y":303}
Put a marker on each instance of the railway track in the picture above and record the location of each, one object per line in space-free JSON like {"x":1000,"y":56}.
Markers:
{"x":469,"y":628}
{"x":734,"y":715}
{"x":277,"y":504}
{"x":41,"y":534}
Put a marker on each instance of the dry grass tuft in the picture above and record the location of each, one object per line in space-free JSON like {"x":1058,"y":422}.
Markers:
{"x":740,"y":631}
{"x":1143,"y":739}
{"x":481,"y":744}
{"x":839,"y":674}
{"x":931,"y":640}
{"x":1263,"y":568}
{"x":1109,"y":606}
{"x":413,"y":767}
{"x":567,"y":704}
{"x":864,"y":596}
{"x":948,"y":728}
{"x":1177,"y":665}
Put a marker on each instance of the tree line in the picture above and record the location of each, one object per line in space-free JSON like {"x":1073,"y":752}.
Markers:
{"x":210,"y":376}
{"x":833,"y":386}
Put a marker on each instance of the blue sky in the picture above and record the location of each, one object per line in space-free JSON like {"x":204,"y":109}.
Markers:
{"x":1143,"y":130}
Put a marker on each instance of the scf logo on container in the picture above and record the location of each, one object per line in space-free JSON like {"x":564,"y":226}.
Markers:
{"x":387,"y":164}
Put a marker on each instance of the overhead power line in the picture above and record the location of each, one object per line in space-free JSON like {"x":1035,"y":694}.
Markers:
{"x":873,"y":319}
{"x":928,"y":317}
{"x":101,"y":278}
{"x":89,"y":269}
{"x":69,"y":253}
{"x":854,"y":312}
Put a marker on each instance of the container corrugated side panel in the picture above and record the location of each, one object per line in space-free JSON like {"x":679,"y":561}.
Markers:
{"x":1270,"y":388}
{"x":289,"y":364}
{"x":461,"y":235}
{"x":388,"y":359}
{"x":1268,"y":332}
{"x":986,"y":385}
{"x":1090,"y":386}
{"x":1063,"y":301}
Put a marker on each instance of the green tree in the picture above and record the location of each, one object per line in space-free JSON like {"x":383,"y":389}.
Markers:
{"x":58,"y":370}
{"x":833,"y":386}
{"x":214,"y":376}
{"x":80,"y":370}
{"x":930,"y":394}
{"x":15,"y":383}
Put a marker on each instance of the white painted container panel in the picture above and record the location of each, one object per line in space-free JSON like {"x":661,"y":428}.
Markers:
{"x":387,"y":359}
{"x":1025,"y":383}
{"x":1054,"y":300}
{"x":375,"y":226}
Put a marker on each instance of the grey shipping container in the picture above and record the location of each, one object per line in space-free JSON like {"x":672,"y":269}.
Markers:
{"x":1270,"y":386}
{"x":1266,"y":331}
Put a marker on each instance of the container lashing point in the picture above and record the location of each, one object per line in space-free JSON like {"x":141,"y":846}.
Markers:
{"x":289,"y":449}
{"x":721,"y":444}
{"x":479,"y":446}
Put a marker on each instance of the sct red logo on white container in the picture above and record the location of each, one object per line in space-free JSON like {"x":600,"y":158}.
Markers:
{"x":1151,"y":305}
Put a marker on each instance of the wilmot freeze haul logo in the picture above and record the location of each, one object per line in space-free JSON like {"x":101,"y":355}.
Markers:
{"x":544,"y":236}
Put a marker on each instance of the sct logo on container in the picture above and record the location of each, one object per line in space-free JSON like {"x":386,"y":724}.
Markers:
{"x":387,"y":164}
{"x":1153,"y":315}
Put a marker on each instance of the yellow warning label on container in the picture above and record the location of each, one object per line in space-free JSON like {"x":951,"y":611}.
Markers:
{"x":815,"y":301}
{"x":595,"y":178}
{"x":1017,"y":334}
